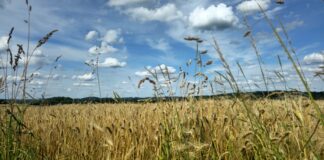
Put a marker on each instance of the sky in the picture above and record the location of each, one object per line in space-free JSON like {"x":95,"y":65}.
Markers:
{"x":131,"y":37}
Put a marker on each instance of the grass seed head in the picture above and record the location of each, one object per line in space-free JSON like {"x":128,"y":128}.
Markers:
{"x":204,"y":52}
{"x":209,"y":62}
{"x":247,"y":33}
{"x":191,"y":38}
{"x":46,"y":38}
{"x":280,"y":1}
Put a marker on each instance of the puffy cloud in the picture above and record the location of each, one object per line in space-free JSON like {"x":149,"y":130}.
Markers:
{"x":271,"y":13}
{"x":37,"y":59}
{"x":251,"y":6}
{"x":38,"y":53}
{"x":312,"y":69}
{"x":85,"y":77}
{"x":142,"y":73}
{"x":124,"y":82}
{"x":103,"y":49}
{"x":165,"y":69}
{"x":125,"y":2}
{"x":160,"y":44}
{"x":38,"y":83}
{"x":158,"y":69}
{"x":38,"y":75}
{"x":166,"y":13}
{"x":84,"y":84}
{"x":3,"y":43}
{"x":54,"y":76}
{"x":314,"y":58}
{"x":292,"y":25}
{"x":91,"y":35}
{"x":110,"y":37}
{"x":13,"y":78}
{"x":112,"y":63}
{"x":214,"y":17}
{"x":113,"y":36}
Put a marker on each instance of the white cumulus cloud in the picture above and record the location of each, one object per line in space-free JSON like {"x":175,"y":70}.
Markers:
{"x":142,"y":73}
{"x":160,"y":44}
{"x":38,"y":59}
{"x":125,"y":2}
{"x":292,"y":25}
{"x":314,"y":58}
{"x":251,"y":6}
{"x":84,"y":84}
{"x":165,"y":69}
{"x":165,"y":13}
{"x":112,"y":36}
{"x":35,"y":82}
{"x":91,"y":35}
{"x":213,"y":17}
{"x":3,"y":43}
{"x":157,"y":69}
{"x":112,"y":63}
{"x":38,"y":75}
{"x":103,"y":49}
{"x":84,"y":77}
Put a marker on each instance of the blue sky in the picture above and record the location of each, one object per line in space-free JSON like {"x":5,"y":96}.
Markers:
{"x":129,"y":35}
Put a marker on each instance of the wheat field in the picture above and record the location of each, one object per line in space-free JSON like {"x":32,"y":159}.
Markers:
{"x":203,"y":129}
{"x":240,"y":126}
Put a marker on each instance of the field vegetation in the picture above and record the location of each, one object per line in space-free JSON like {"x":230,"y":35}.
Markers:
{"x":236,"y":127}
{"x":205,"y":129}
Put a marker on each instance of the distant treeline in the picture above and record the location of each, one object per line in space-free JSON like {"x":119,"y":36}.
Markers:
{"x":252,"y":95}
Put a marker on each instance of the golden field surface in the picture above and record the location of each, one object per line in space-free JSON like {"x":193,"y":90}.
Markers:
{"x":204,"y":129}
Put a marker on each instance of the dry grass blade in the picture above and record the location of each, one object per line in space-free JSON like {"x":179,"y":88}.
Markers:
{"x":291,"y":46}
{"x":257,"y":52}
{"x":298,"y":71}
{"x":313,"y":133}
{"x":241,"y":69}
{"x":15,"y":118}
{"x":231,"y":80}
{"x":145,"y":79}
{"x":286,"y":50}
